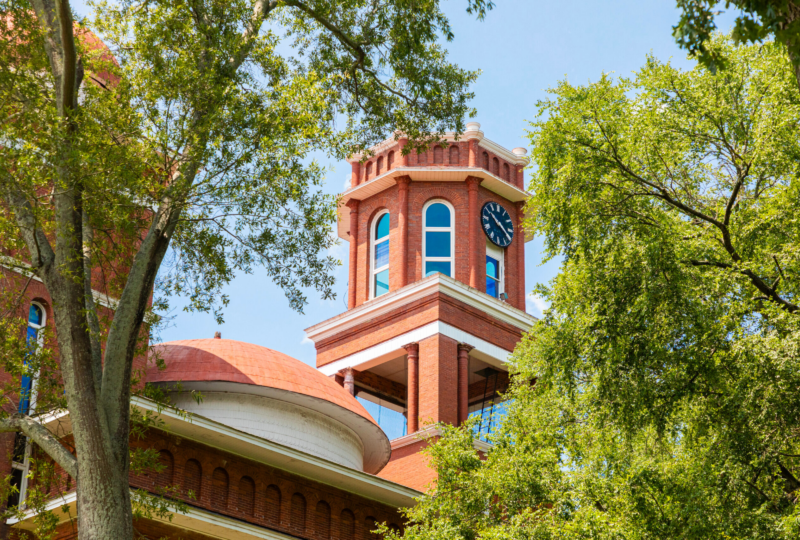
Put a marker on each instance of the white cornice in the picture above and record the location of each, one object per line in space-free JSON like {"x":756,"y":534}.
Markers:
{"x":214,"y":434}
{"x":410,"y":293}
{"x":434,"y":431}
{"x":469,"y":134}
{"x":24,"y":269}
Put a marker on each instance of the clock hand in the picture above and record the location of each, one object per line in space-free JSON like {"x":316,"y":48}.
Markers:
{"x":501,"y":227}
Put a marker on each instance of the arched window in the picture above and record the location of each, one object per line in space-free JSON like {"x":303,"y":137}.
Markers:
{"x":506,"y":172}
{"x":454,"y":158}
{"x":164,"y":477}
{"x":247,"y":495}
{"x":298,"y":517}
{"x":496,"y":166}
{"x":380,"y":255}
{"x":219,"y":487}
{"x":422,"y":157}
{"x":438,"y":238}
{"x":347,"y":525}
{"x":379,"y":167}
{"x":368,"y":172}
{"x":486,"y":161}
{"x":273,"y":505}
{"x":37,"y":318}
{"x":192,"y":475}
{"x":438,"y":154}
{"x":323,"y":520}
{"x":390,"y":160}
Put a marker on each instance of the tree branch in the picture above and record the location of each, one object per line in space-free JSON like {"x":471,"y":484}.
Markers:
{"x":42,"y":437}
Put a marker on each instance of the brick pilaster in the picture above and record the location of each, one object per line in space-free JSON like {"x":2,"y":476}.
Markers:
{"x":352,"y":287}
{"x":413,"y":387}
{"x":521,"y":256}
{"x":438,"y":380}
{"x":402,"y":225}
{"x":474,"y":226}
{"x":473,"y":153}
{"x":355,"y":176}
{"x":463,"y":382}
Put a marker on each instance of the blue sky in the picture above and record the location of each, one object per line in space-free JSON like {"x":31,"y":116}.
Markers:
{"x":523,"y":47}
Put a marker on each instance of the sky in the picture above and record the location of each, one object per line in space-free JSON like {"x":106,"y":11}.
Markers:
{"x":523,"y":47}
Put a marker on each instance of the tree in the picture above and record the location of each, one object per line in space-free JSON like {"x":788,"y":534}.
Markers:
{"x":665,"y":402}
{"x":758,"y":20}
{"x":176,"y":157}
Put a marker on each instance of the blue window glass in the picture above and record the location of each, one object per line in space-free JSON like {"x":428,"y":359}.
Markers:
{"x":382,"y":254}
{"x":492,"y":276}
{"x":437,"y":244}
{"x":381,"y":283}
{"x":437,"y":215}
{"x":431,"y":267}
{"x":492,"y":268}
{"x":35,"y":315}
{"x":382,"y":228}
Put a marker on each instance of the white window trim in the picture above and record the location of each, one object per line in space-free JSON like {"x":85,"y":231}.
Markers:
{"x":372,"y":244}
{"x":451,"y":229}
{"x":26,"y":460}
{"x":498,"y":253}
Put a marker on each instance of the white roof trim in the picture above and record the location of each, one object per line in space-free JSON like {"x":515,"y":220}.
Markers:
{"x":451,"y":136}
{"x":24,"y":269}
{"x":393,"y":348}
{"x":214,"y":434}
{"x":420,"y":289}
{"x":434,"y":431}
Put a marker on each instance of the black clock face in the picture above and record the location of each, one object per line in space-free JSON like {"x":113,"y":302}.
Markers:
{"x":497,"y":224}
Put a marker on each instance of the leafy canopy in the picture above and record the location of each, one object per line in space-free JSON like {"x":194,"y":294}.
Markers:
{"x":665,"y":402}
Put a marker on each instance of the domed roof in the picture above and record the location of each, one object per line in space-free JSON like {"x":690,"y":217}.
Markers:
{"x":235,"y":366}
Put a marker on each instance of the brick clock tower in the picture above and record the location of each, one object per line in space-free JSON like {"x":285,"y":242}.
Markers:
{"x":436,"y":294}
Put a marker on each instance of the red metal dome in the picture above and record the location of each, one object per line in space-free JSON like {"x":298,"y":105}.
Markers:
{"x":235,"y":366}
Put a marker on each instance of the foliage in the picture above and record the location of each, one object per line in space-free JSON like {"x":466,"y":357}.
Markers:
{"x":665,"y":402}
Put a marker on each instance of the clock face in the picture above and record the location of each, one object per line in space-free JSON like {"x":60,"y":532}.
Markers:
{"x":497,"y":224}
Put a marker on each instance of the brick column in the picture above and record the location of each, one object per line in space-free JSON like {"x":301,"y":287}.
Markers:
{"x":402,"y":226}
{"x":520,"y":176}
{"x":474,"y":226}
{"x":413,"y":387}
{"x":463,"y":382}
{"x":438,"y":379}
{"x":352,"y":204}
{"x":521,"y":256}
{"x":403,"y":157}
{"x":473,"y":152}
{"x":349,"y":381}
{"x":355,"y":176}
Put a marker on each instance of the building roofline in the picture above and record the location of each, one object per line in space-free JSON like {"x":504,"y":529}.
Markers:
{"x":410,"y":293}
{"x":217,"y":435}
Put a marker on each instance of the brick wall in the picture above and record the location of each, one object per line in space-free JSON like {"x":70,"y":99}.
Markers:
{"x":409,"y":467}
{"x":438,"y":380}
{"x":420,"y":193}
{"x":259,"y":494}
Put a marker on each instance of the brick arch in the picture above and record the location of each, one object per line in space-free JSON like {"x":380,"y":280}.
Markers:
{"x":379,"y":166}
{"x":368,"y":171}
{"x":322,"y":521}
{"x":390,"y":160}
{"x":219,"y":489}
{"x":422,"y":157}
{"x":485,"y":160}
{"x":163,"y":478}
{"x":496,"y":166}
{"x":506,"y":172}
{"x":438,"y":155}
{"x":297,"y":518}
{"x":454,"y":154}
{"x":247,"y":495}
{"x":370,"y":524}
{"x":272,"y":512}
{"x":347,"y":525}
{"x":192,"y":478}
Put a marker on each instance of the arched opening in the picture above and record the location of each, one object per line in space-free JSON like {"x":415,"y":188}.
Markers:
{"x":506,"y":172}
{"x":192,"y":479}
{"x":390,"y":160}
{"x":438,"y":238}
{"x":454,"y":157}
{"x":379,"y":167}
{"x":219,"y":489}
{"x":322,"y":523}
{"x":298,"y":517}
{"x":485,"y":161}
{"x":379,"y":283}
{"x":438,"y":154}
{"x":247,"y":495}
{"x":347,"y":525}
{"x":496,"y":166}
{"x":164,"y":477}
{"x":368,"y":171}
{"x":273,"y":505}
{"x":422,"y":157}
